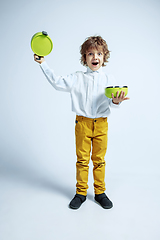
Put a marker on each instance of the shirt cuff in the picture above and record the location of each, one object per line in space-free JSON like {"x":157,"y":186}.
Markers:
{"x":44,"y":65}
{"x":115,"y":105}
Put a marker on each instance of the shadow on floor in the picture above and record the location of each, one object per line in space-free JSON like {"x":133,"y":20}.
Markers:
{"x":38,"y":179}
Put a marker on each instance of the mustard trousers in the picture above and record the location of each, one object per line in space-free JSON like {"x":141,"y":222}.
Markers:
{"x":90,"y":134}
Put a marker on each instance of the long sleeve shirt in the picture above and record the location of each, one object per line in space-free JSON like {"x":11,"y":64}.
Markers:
{"x":87,"y":91}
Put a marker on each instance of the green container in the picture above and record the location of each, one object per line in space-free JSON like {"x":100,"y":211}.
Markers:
{"x":114,"y":90}
{"x":41,"y":44}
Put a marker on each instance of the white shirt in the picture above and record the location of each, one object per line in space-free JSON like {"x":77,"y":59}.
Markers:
{"x":87,"y":90}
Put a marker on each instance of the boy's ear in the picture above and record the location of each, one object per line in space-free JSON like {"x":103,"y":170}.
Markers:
{"x":103,"y":59}
{"x":85,"y":59}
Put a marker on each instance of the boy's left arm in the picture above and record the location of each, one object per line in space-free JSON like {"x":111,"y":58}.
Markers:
{"x":121,"y":98}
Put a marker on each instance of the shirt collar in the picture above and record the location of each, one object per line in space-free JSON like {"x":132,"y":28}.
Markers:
{"x":91,"y":71}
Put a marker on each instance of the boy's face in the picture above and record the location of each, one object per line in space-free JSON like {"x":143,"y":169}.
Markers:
{"x":94,"y":58}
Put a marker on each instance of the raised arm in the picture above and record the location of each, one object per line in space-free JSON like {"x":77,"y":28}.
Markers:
{"x":58,"y":82}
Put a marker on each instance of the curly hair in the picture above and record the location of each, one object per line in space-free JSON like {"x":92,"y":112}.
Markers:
{"x":94,"y":42}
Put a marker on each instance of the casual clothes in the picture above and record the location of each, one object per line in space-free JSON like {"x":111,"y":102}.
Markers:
{"x":86,"y":90}
{"x":92,"y":109}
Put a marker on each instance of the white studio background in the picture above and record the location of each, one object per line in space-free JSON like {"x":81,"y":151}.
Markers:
{"x":37,"y":126}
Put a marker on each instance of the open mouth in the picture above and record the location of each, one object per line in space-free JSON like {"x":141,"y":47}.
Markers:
{"x":94,"y":63}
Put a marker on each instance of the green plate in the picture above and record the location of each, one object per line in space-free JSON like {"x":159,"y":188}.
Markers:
{"x":41,"y":44}
{"x":114,"y":90}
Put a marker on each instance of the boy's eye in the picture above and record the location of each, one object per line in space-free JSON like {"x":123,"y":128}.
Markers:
{"x":90,"y":54}
{"x":99,"y":53}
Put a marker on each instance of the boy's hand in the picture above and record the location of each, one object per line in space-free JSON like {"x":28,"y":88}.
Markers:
{"x":121,"y":98}
{"x":37,"y":60}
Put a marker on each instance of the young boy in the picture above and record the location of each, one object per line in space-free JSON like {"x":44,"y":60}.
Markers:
{"x":92,"y":109}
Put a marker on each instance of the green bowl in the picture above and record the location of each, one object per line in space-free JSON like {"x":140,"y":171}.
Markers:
{"x":114,"y":90}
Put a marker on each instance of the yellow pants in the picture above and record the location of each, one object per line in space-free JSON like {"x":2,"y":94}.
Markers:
{"x":90,"y":132}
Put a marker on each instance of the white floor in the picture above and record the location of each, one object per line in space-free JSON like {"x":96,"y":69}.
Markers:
{"x":36,"y":208}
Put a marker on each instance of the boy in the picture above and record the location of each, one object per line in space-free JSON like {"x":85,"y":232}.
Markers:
{"x":92,"y":108}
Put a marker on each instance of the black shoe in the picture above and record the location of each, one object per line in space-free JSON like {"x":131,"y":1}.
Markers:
{"x":103,"y":200}
{"x":77,"y":201}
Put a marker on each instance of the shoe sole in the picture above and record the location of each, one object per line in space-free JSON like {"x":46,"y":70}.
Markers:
{"x":107,"y":207}
{"x":72,"y":207}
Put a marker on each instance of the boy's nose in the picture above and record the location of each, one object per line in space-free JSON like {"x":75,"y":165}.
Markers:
{"x":95,"y":56}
